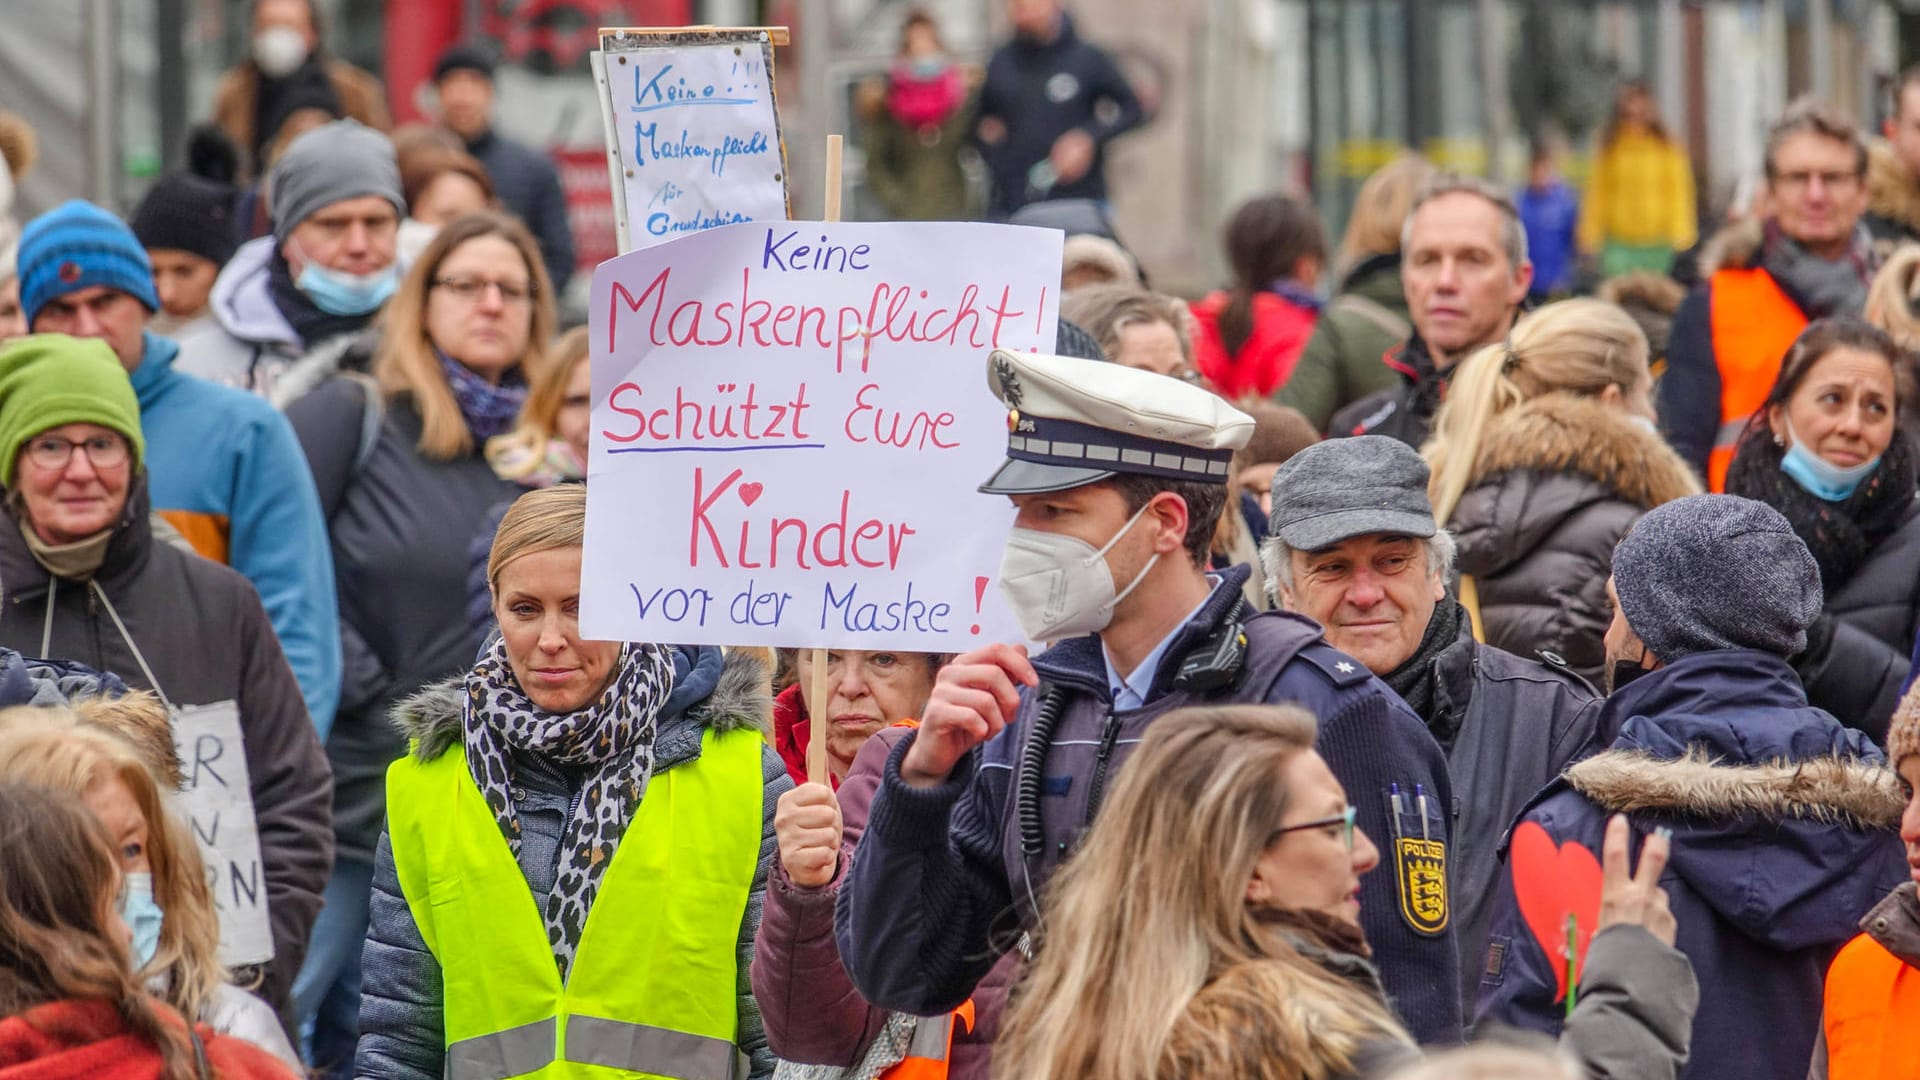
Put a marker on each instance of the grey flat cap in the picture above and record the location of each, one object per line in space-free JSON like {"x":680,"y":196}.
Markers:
{"x":1343,"y":488}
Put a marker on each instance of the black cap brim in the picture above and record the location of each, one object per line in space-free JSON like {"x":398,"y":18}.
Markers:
{"x":1016,"y":477}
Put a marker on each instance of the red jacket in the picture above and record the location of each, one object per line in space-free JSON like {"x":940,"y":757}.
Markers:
{"x":71,"y":1040}
{"x":1280,"y":332}
{"x":792,"y":731}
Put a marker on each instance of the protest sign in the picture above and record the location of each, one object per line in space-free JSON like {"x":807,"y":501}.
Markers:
{"x":692,"y":130}
{"x":217,"y":802}
{"x":789,"y":424}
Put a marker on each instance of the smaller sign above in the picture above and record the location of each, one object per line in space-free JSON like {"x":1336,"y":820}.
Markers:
{"x":696,"y":132}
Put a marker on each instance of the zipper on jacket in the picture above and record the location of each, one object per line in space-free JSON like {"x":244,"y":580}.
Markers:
{"x":1109,"y":736}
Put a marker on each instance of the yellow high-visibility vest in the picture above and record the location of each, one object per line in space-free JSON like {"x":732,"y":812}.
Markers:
{"x":652,"y":990}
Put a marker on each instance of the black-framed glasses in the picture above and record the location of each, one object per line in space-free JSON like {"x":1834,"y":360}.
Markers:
{"x":471,"y":288}
{"x":1345,"y":821}
{"x":53,"y":452}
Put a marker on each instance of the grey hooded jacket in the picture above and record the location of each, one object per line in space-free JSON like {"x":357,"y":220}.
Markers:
{"x":401,"y":1032}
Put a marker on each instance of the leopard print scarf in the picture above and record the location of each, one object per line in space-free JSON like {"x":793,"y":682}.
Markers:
{"x":613,"y":738}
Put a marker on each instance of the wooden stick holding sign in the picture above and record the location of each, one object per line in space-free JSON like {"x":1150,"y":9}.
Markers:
{"x":817,"y":705}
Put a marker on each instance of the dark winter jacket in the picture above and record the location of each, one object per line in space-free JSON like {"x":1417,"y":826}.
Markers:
{"x":401,"y":526}
{"x":1403,"y":411}
{"x":940,"y":886}
{"x":1558,"y":481}
{"x":1344,"y":360}
{"x":528,"y":184}
{"x":1515,"y":724}
{"x":401,"y":1032}
{"x":1858,"y":657}
{"x":1782,"y":839}
{"x":198,"y":627}
{"x":1041,"y":91}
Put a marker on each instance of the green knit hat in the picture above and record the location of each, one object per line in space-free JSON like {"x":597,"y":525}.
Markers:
{"x":47,"y":380}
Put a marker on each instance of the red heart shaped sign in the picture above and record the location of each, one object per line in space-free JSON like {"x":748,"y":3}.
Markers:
{"x":750,"y":493}
{"x":1551,"y":883}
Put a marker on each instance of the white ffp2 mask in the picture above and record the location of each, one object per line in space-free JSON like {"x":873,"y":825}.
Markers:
{"x":1059,"y":586}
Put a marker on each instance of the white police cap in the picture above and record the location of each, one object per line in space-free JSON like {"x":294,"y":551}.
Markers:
{"x":1072,"y":422}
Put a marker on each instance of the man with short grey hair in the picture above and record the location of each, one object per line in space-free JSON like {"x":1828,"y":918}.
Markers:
{"x":1465,"y":268}
{"x":1354,"y":546}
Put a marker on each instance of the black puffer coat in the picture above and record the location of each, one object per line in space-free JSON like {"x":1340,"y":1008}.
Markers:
{"x":1856,"y":662}
{"x":1556,"y":484}
{"x":198,"y":628}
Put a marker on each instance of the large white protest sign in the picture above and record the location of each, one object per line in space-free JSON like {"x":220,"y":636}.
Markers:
{"x":789,"y":424}
{"x":697,"y":137}
{"x":218,"y":803}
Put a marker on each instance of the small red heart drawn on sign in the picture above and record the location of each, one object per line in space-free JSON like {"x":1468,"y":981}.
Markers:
{"x":750,"y":493}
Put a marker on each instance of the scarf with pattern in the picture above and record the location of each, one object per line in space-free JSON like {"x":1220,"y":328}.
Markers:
{"x":489,"y":410}
{"x":611,"y":740}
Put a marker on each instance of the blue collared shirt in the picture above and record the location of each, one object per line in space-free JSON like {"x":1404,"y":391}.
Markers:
{"x":1131,"y":692}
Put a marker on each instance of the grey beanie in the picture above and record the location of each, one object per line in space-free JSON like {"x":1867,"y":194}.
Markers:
{"x":1710,"y":572}
{"x":341,"y":160}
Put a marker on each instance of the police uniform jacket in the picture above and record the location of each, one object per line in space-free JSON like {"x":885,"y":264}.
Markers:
{"x":942,"y":883}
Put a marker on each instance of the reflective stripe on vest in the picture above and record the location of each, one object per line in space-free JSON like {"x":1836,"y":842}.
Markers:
{"x":930,"y":1051}
{"x":652,"y":991}
{"x":1873,"y":1015}
{"x":1754,"y":323}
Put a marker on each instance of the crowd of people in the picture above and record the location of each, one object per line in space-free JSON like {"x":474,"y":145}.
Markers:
{"x":1496,"y":662}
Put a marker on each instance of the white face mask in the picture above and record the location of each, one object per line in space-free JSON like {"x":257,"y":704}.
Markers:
{"x":1060,"y":587}
{"x":279,"y":50}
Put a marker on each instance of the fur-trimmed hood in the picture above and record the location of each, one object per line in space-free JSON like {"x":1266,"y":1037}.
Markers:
{"x":1569,"y":433}
{"x":1547,"y":459}
{"x":1893,"y":193}
{"x":708,"y":692}
{"x":1833,"y":791}
{"x":1783,"y":819}
{"x":1734,"y":247}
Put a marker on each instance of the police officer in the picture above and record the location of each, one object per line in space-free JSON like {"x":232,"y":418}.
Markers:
{"x":1118,"y":477}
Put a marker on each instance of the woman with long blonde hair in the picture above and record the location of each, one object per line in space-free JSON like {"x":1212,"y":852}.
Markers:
{"x":71,"y":1003}
{"x":117,"y":758}
{"x":1209,"y":928}
{"x":405,"y":486}
{"x":1368,"y":315}
{"x":1543,"y":455}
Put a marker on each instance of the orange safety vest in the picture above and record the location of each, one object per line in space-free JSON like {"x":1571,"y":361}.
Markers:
{"x":1873,"y":1015}
{"x":930,"y":1050}
{"x":1754,"y":323}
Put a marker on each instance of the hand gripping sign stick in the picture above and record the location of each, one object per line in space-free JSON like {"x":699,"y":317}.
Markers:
{"x":817,"y":696}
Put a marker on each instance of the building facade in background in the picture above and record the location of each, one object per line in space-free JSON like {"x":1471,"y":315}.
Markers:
{"x":1243,"y":95}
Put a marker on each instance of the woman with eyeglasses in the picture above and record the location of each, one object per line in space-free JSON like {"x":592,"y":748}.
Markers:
{"x":1209,"y":927}
{"x":404,"y":482}
{"x":84,"y":578}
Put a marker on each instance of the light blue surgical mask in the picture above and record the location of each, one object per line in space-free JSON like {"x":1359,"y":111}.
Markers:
{"x":142,"y":916}
{"x":339,"y":293}
{"x":1821,"y":478}
{"x":928,"y":67}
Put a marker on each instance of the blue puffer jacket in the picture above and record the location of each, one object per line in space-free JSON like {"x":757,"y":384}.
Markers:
{"x":1782,"y":839}
{"x":401,"y":1033}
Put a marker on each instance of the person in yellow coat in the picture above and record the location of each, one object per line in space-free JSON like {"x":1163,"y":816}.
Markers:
{"x":1639,"y":205}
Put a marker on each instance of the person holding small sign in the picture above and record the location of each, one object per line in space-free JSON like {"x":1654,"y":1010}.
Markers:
{"x":86,"y":579}
{"x":1118,"y":477}
{"x":634,"y":791}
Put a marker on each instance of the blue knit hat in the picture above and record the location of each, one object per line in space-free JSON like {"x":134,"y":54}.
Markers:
{"x":75,"y":246}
